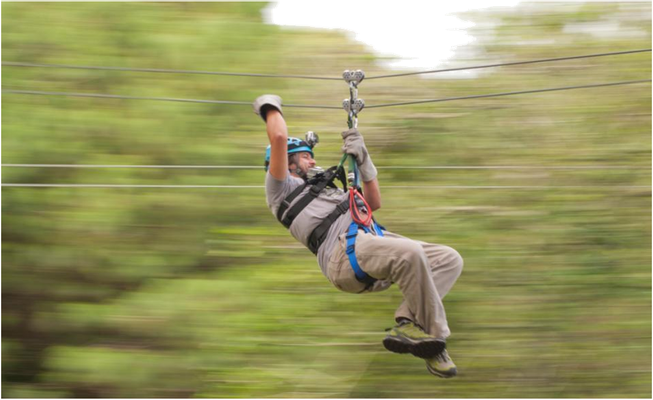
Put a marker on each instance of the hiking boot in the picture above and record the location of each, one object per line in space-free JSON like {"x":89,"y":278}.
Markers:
{"x":441,"y":365}
{"x":410,"y":338}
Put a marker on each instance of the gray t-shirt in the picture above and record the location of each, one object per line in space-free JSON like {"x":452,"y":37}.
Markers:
{"x":311,"y":216}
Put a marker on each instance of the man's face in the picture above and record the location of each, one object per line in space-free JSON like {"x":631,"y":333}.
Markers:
{"x":304,"y":162}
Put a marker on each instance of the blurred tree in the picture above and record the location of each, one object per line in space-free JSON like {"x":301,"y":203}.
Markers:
{"x":196,"y":292}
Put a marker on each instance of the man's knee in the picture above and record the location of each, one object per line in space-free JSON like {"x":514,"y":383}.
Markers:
{"x":406,"y":254}
{"x":455,"y":260}
{"x":414,"y":254}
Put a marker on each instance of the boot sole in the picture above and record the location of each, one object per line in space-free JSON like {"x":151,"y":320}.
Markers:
{"x":446,"y":375}
{"x":421,"y":349}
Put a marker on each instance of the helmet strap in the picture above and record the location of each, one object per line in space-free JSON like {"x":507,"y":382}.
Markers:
{"x":296,"y":170}
{"x":299,"y":172}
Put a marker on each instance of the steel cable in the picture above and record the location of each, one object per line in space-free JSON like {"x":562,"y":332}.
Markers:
{"x":543,"y":60}
{"x":164,"y":71}
{"x":114,"y":96}
{"x":259,"y":75}
{"x":526,"y":187}
{"x":433,"y":167}
{"x":478,"y":96}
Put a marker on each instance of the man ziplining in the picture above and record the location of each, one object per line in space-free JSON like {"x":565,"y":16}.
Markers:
{"x":353,"y":251}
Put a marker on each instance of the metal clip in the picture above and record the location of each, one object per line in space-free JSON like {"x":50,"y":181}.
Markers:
{"x":314,"y":172}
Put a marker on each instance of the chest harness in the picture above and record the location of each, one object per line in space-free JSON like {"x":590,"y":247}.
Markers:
{"x":354,"y":201}
{"x":326,"y":179}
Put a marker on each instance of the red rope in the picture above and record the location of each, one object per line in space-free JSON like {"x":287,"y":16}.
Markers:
{"x":355,"y":215}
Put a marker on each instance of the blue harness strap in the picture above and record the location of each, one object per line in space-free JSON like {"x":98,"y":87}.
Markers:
{"x":378,"y":228}
{"x":361,"y":276}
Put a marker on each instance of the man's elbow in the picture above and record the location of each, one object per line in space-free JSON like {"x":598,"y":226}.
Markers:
{"x":277,"y":138}
{"x":375,"y":204}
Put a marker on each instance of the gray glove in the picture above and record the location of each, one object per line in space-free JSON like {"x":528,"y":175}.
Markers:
{"x":264,"y":103}
{"x":355,"y":145}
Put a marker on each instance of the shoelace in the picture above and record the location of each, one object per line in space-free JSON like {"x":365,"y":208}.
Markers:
{"x":405,"y":323}
{"x":397,"y":326}
{"x":443,"y":356}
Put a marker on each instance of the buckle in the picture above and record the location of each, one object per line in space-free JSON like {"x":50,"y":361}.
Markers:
{"x":368,"y":280}
{"x":314,"y":190}
{"x":351,"y":248}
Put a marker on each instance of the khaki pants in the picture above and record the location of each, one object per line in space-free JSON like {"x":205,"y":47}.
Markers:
{"x":423,"y":271}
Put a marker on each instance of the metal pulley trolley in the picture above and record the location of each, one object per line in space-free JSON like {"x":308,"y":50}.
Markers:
{"x":353,"y":106}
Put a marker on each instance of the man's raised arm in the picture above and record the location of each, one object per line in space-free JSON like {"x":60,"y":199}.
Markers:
{"x":268,"y":107}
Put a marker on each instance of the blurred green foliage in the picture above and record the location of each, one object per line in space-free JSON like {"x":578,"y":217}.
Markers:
{"x":201,"y":293}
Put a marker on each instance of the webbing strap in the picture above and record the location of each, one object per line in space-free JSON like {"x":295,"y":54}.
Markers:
{"x":315,"y":187}
{"x":361,"y":276}
{"x":286,"y":202}
{"x":378,"y":228}
{"x":298,"y":207}
{"x":319,"y":234}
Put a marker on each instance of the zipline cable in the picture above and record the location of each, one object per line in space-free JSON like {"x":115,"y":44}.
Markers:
{"x":543,"y":60}
{"x":164,"y":71}
{"x":84,"y":185}
{"x":132,"y":166}
{"x":111,"y":96}
{"x":114,"y":96}
{"x":258,"y":75}
{"x":434,"y":167}
{"x":479,"y":96}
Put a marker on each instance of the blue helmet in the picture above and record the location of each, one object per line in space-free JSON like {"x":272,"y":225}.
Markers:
{"x":294,"y":146}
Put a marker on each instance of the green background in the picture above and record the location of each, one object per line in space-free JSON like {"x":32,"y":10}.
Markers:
{"x":138,"y":292}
